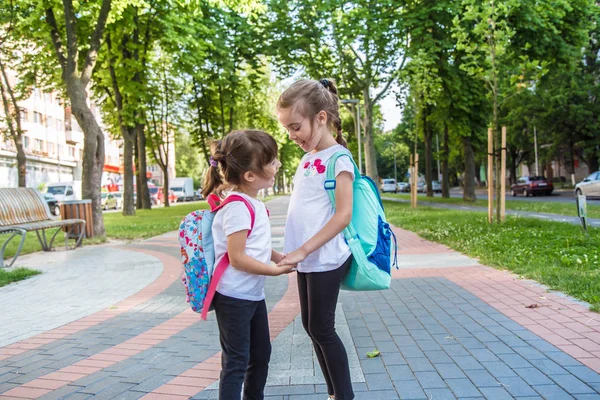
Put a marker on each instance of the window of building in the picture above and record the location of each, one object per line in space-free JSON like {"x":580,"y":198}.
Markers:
{"x":38,"y":145}
{"x":37,"y":117}
{"x":50,"y":148}
{"x":25,"y":142}
{"x":59,"y":149}
{"x":23,"y":114}
{"x":60,"y":125}
{"x":48,"y":97}
{"x":50,"y":122}
{"x":37,"y":93}
{"x":72,"y":151}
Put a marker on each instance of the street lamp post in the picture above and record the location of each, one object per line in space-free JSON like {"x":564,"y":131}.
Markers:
{"x":356,"y":105}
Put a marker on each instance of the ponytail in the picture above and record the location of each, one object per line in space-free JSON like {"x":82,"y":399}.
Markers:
{"x":213,"y":181}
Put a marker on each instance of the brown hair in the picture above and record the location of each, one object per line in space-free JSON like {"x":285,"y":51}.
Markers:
{"x":238,"y":153}
{"x":313,"y":96}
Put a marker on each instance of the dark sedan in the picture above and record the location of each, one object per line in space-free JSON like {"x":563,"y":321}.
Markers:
{"x":52,"y":203}
{"x":532,"y":185}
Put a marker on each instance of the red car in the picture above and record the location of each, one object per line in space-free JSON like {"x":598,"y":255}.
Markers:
{"x":532,"y":185}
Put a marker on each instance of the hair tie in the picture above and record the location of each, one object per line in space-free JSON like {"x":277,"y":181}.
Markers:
{"x":213,"y":162}
{"x":325,"y":83}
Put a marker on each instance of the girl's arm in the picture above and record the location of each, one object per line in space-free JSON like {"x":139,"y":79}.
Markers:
{"x":340,"y":220}
{"x":236,"y":248}
{"x":276,"y":256}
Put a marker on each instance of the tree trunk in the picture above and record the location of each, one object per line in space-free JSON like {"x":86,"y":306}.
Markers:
{"x":93,"y":151}
{"x":128,"y":145}
{"x":143,"y":181}
{"x":14,"y":118}
{"x":445,"y":153}
{"x":165,"y":170}
{"x":138,"y":182}
{"x":369,"y":145}
{"x":427,"y":136}
{"x":469,"y":175}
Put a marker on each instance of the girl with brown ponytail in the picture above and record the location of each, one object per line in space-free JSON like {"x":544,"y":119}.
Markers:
{"x":309,"y":111}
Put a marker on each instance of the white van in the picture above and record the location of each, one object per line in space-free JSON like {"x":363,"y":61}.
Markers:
{"x":64,"y":191}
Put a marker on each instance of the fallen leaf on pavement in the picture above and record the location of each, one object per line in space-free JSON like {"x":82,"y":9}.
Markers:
{"x":374,"y":353}
{"x":532,"y":306}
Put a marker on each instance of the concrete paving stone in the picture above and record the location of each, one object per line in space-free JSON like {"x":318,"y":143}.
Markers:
{"x":24,"y":378}
{"x":151,"y":383}
{"x":435,"y":328}
{"x":553,"y":392}
{"x":360,"y":332}
{"x":549,"y":367}
{"x":439,"y":394}
{"x":386,"y":346}
{"x":428,"y":345}
{"x":533,"y":376}
{"x":467,"y":363}
{"x":400,"y":372}
{"x":411,"y":351}
{"x":484,"y":355}
{"x":572,"y":384}
{"x":5,"y":387}
{"x":495,"y":393}
{"x":377,"y":395}
{"x":381,"y":336}
{"x":486,"y":337}
{"x":372,"y":365}
{"x":462,"y":388}
{"x":584,"y":373}
{"x":91,"y":379}
{"x":378,"y":382}
{"x":455,"y":350}
{"x":499,"y":369}
{"x":63,"y":392}
{"x":529,"y":353}
{"x":482,"y":378}
{"x":542,"y":345}
{"x":363,"y":342}
{"x":499,"y":348}
{"x":290,"y":389}
{"x":377,"y":327}
{"x":420,"y":364}
{"x":562,"y":358}
{"x":513,"y":340}
{"x":586,"y":397}
{"x":395,"y":325}
{"x":517,"y":386}
{"x":498,"y":330}
{"x":471,"y":343}
{"x":430,"y":380}
{"x":515,"y":361}
{"x":390,"y":359}
{"x":438,"y":356}
{"x":409,"y":389}
{"x":116,"y":390}
{"x":449,"y":371}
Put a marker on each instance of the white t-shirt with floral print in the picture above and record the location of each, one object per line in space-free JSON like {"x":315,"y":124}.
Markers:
{"x":310,"y":209}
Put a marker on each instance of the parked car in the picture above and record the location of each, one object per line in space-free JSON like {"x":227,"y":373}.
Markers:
{"x":52,"y":203}
{"x":421,"y":187}
{"x":103,"y":198}
{"x":114,"y":200}
{"x":532,"y":185}
{"x":436,"y":186}
{"x":154,"y":195}
{"x":403,"y":187}
{"x":590,"y":186}
{"x":389,"y":185}
{"x":172,"y":196}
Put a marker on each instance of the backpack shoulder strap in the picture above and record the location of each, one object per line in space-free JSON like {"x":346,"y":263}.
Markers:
{"x":215,"y":205}
{"x":349,"y":231}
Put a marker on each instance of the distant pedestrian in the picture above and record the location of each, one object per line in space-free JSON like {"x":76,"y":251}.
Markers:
{"x":242,"y":164}
{"x":309,"y":110}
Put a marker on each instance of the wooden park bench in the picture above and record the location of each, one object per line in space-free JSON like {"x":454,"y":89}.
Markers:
{"x":23,"y":210}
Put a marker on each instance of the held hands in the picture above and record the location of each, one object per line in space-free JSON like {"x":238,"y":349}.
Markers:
{"x":293,"y":258}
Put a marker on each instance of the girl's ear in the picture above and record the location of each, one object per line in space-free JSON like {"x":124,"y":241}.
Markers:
{"x":322,"y":117}
{"x":249,"y":176}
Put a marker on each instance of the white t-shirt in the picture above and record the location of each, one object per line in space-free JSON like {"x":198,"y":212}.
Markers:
{"x":310,"y":209}
{"x":233,"y":218}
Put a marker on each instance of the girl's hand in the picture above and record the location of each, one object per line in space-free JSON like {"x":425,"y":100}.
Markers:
{"x":293,"y":258}
{"x":286,"y":269}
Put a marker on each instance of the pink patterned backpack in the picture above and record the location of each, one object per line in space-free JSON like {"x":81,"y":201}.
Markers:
{"x":200,"y":275}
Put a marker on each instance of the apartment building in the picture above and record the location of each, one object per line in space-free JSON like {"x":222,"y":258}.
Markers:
{"x":53,"y":144}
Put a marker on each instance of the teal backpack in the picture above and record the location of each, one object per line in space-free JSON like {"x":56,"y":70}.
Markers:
{"x":368,"y":235}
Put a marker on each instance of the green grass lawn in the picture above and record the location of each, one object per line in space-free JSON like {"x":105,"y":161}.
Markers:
{"x":516,"y":205}
{"x":15,"y":275}
{"x":558,"y":255}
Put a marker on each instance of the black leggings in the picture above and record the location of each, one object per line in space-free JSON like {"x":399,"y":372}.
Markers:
{"x":318,"y":293}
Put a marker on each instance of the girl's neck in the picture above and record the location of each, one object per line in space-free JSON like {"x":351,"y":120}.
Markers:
{"x":247,"y":191}
{"x":327,"y":141}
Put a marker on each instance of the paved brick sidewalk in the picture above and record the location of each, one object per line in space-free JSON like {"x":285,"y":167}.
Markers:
{"x":448,"y":328}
